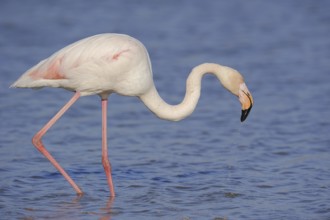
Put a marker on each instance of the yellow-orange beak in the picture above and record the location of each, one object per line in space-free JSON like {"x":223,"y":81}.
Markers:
{"x":246,"y":100}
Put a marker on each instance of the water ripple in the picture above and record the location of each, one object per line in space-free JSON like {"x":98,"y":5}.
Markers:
{"x":208,"y":166}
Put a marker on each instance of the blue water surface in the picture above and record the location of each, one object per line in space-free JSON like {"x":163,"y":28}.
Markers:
{"x":208,"y":166}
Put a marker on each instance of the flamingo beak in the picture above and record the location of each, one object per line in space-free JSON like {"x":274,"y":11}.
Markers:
{"x":245,"y":113}
{"x":246,"y":100}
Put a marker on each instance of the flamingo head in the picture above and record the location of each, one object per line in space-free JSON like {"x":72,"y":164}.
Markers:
{"x":233,"y":81}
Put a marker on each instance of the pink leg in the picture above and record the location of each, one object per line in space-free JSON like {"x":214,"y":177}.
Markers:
{"x":105,"y":158}
{"x":36,"y":140}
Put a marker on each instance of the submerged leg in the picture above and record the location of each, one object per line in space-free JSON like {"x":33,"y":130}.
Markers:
{"x":105,"y":158}
{"x":36,"y":140}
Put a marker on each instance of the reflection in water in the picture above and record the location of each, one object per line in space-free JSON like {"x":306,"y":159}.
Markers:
{"x":107,"y":209}
{"x":64,"y":206}
{"x":78,"y":198}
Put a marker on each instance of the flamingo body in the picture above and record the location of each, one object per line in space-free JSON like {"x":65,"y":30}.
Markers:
{"x":100,"y":64}
{"x":108,"y":63}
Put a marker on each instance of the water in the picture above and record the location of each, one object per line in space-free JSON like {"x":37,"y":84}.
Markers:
{"x":209,"y":166}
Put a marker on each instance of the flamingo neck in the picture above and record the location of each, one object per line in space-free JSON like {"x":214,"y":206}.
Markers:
{"x":193,"y":89}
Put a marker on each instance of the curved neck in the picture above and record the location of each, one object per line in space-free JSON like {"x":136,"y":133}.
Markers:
{"x":193,"y":89}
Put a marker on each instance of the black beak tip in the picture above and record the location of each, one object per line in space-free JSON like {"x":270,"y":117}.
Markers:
{"x":245,"y":113}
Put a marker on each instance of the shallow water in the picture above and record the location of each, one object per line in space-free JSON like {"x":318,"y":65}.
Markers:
{"x":208,"y":166}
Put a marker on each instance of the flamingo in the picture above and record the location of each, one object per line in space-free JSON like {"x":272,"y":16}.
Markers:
{"x":115,"y":63}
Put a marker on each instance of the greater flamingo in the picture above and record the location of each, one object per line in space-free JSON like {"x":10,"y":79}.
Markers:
{"x":117,"y":63}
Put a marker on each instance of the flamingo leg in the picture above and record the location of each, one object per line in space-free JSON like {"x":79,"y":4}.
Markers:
{"x":105,"y":159}
{"x":36,"y":140}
